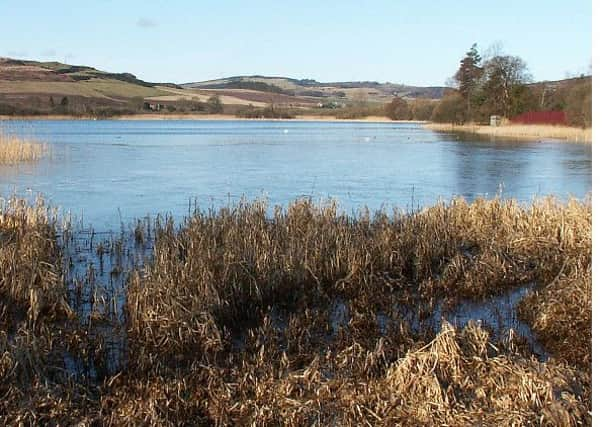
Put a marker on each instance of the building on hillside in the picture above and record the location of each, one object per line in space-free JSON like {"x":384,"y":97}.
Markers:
{"x":153,"y":106}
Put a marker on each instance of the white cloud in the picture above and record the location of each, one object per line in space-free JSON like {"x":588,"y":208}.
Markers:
{"x":146,"y":23}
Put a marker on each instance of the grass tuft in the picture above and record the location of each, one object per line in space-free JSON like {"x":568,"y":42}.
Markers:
{"x":14,"y":149}
{"x":566,"y":133}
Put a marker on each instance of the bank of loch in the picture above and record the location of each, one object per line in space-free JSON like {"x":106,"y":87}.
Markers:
{"x":528,"y":132}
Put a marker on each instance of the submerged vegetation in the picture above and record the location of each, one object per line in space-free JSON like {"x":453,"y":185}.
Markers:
{"x":303,"y":316}
{"x":14,"y":149}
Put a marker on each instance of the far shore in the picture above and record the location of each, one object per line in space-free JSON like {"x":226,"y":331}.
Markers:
{"x":219,"y":117}
{"x":517,"y":131}
{"x":513,"y":131}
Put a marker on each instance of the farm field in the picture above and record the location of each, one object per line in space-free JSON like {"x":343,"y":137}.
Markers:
{"x":26,"y":88}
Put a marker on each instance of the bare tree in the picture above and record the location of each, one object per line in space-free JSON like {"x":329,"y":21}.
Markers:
{"x":503,"y":74}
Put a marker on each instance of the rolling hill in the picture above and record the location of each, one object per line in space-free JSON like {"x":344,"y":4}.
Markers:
{"x":369,"y":90}
{"x":33,"y":87}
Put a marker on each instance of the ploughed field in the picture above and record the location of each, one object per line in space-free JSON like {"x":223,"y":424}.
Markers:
{"x":299,"y":315}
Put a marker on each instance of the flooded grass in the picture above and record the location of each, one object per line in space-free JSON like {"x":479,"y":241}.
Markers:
{"x":529,"y":132}
{"x":459,"y":314}
{"x":15,"y":149}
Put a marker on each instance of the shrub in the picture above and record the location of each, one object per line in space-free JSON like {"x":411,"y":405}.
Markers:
{"x":398,"y":109}
{"x":214,"y":105}
{"x":579,"y":104}
{"x":450,"y":109}
{"x":422,"y":109}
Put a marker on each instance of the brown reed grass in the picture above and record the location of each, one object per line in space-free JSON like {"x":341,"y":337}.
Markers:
{"x":30,"y":271}
{"x":299,"y":317}
{"x":267,"y":286}
{"x":14,"y":149}
{"x":514,"y":131}
{"x":225,"y":268}
{"x":33,"y":298}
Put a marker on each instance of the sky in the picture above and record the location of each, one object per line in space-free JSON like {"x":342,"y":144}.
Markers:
{"x":409,"y":42}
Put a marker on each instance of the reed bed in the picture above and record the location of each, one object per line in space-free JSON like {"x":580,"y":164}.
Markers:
{"x":307,"y":316}
{"x":281,"y":317}
{"x":33,"y":300}
{"x":539,"y":132}
{"x":30,"y":272}
{"x":14,"y":149}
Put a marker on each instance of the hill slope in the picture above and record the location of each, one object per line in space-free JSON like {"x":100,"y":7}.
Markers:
{"x":370,"y":91}
{"x":32,"y":87}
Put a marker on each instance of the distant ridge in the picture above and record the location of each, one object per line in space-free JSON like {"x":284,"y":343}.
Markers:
{"x":30,"y":87}
{"x":311,"y":87}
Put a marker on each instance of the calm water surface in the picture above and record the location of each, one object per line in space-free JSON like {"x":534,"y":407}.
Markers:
{"x":110,"y":171}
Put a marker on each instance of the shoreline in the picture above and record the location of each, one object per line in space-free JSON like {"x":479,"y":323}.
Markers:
{"x":519,"y":132}
{"x":512,"y":131}
{"x":209,"y":117}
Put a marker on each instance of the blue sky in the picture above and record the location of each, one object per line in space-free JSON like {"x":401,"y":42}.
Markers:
{"x":412,"y":42}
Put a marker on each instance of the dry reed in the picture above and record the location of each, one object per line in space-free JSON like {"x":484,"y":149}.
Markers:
{"x":33,"y":299}
{"x":14,"y":149}
{"x":307,"y":316}
{"x":248,"y":305}
{"x":30,"y":270}
{"x":566,"y":133}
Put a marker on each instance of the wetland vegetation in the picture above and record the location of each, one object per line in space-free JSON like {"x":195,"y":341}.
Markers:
{"x":14,"y":149}
{"x":297,"y":315}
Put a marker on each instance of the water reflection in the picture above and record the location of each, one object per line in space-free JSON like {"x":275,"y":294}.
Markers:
{"x":485,"y":167}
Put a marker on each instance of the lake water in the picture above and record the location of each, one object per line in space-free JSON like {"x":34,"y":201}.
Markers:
{"x":113,"y":171}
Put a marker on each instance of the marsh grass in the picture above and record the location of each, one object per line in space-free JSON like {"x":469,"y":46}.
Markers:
{"x":245,"y":301}
{"x":566,"y":133}
{"x":30,"y":261}
{"x":14,"y":149}
{"x":307,"y":316}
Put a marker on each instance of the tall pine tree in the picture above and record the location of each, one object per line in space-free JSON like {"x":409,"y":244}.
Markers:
{"x":468,"y":77}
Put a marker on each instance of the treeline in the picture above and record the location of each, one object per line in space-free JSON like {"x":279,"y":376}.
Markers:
{"x":499,"y":85}
{"x":269,"y":112}
{"x":250,"y":85}
{"x":213,"y":105}
{"x":416,"y":109}
{"x":71,"y":106}
{"x":79,"y":106}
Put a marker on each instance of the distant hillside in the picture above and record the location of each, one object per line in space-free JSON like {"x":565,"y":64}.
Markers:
{"x":42,"y":88}
{"x":562,"y":82}
{"x":18,"y":70}
{"x":33,"y":88}
{"x":369,"y":90}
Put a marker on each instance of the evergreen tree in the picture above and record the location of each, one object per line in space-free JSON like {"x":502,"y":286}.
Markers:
{"x":468,"y":77}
